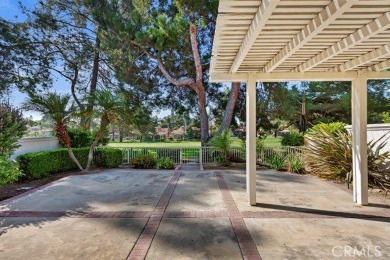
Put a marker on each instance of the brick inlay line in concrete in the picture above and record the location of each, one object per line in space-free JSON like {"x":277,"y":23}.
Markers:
{"x":196,"y":214}
{"x":142,"y":245}
{"x":245,"y":240}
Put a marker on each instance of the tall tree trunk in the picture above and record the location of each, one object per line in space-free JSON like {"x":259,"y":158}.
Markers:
{"x":121,"y":135}
{"x":63,"y":136}
{"x":196,"y":85}
{"x":229,"y":110}
{"x":102,"y":129}
{"x":200,"y":90}
{"x":204,"y":121}
{"x":94,"y":80}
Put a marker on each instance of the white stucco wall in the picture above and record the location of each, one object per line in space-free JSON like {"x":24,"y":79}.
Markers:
{"x":376,"y":131}
{"x":36,"y":144}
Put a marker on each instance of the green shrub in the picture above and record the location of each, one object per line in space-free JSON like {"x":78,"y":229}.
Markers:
{"x":143,"y":161}
{"x":293,"y":139}
{"x":222,"y":145}
{"x":110,"y":158}
{"x":9,"y":171}
{"x":223,"y":161}
{"x":84,"y":138}
{"x":276,"y":162}
{"x":80,"y":137}
{"x":295,"y":164}
{"x":41,"y":164}
{"x":165,"y":163}
{"x":331,"y":128}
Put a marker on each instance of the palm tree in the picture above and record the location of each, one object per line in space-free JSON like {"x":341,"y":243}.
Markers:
{"x":107,"y":107}
{"x":59,"y":109}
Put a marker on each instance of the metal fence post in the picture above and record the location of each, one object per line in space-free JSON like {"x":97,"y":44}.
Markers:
{"x":181,"y":155}
{"x":128,"y":156}
{"x":201,"y":158}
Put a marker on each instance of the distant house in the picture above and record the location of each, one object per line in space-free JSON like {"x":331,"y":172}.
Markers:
{"x":179,"y":134}
{"x":163,"y":133}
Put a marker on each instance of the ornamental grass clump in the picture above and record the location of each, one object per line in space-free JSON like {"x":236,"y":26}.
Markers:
{"x":276,"y":161}
{"x":329,"y":153}
{"x":294,"y":164}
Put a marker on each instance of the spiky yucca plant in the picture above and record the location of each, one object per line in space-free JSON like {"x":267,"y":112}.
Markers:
{"x":330,"y":152}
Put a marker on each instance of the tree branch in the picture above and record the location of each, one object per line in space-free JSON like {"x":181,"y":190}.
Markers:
{"x":181,"y":82}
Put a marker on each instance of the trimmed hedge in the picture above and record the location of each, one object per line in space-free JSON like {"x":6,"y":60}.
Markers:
{"x":110,"y":158}
{"x":41,"y":164}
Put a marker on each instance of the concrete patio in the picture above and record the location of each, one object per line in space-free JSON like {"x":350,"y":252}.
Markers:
{"x":184,"y":214}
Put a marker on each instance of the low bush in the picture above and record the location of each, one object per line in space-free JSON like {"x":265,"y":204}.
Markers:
{"x":222,"y":145}
{"x":9,"y":171}
{"x":110,"y":158}
{"x":331,"y":128}
{"x":143,"y":161}
{"x":295,"y":164}
{"x":165,"y":164}
{"x":83,"y":138}
{"x":276,"y":162}
{"x":293,"y":139}
{"x":41,"y":164}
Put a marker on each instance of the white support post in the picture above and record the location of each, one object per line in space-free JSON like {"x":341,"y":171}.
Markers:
{"x":251,"y":139}
{"x":359,"y":140}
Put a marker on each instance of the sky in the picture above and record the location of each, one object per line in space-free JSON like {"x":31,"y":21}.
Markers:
{"x":9,"y":10}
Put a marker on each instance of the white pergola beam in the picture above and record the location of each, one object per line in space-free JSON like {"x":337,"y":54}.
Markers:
{"x":359,"y":140}
{"x":298,"y":76}
{"x":380,"y":66}
{"x":364,"y":59}
{"x":251,"y":139}
{"x":328,"y":15}
{"x":261,"y":17}
{"x":375,"y":27}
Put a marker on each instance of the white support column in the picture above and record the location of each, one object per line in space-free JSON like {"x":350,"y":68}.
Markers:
{"x":251,"y":140}
{"x":359,"y":137}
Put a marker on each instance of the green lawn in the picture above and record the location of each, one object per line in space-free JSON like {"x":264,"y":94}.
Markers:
{"x":270,"y":141}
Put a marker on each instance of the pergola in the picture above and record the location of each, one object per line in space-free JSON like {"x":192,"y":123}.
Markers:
{"x":308,"y":40}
